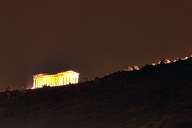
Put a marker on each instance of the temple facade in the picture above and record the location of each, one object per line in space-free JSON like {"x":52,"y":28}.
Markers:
{"x":59,"y":79}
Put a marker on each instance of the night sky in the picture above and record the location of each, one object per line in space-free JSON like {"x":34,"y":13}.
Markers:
{"x":92,"y":37}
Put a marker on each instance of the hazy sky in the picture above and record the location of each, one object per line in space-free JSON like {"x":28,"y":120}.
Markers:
{"x":91,"y":37}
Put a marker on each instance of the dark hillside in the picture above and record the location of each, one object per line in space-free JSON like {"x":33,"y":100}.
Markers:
{"x":157,"y":96}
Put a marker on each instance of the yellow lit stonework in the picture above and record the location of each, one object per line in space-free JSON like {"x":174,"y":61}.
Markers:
{"x":59,"y":79}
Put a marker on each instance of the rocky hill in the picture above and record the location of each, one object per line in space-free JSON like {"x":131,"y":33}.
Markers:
{"x":154,"y":96}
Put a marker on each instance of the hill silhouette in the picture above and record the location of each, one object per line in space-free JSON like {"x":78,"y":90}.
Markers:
{"x":155,"y":96}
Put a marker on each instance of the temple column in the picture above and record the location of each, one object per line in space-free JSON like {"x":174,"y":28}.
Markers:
{"x":65,"y":80}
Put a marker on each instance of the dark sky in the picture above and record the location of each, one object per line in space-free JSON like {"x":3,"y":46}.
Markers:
{"x":92,"y":37}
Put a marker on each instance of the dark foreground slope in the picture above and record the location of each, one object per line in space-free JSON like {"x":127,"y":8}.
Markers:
{"x":153,"y":97}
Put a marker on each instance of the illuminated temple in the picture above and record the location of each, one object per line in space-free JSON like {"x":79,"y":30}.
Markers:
{"x":59,"y":79}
